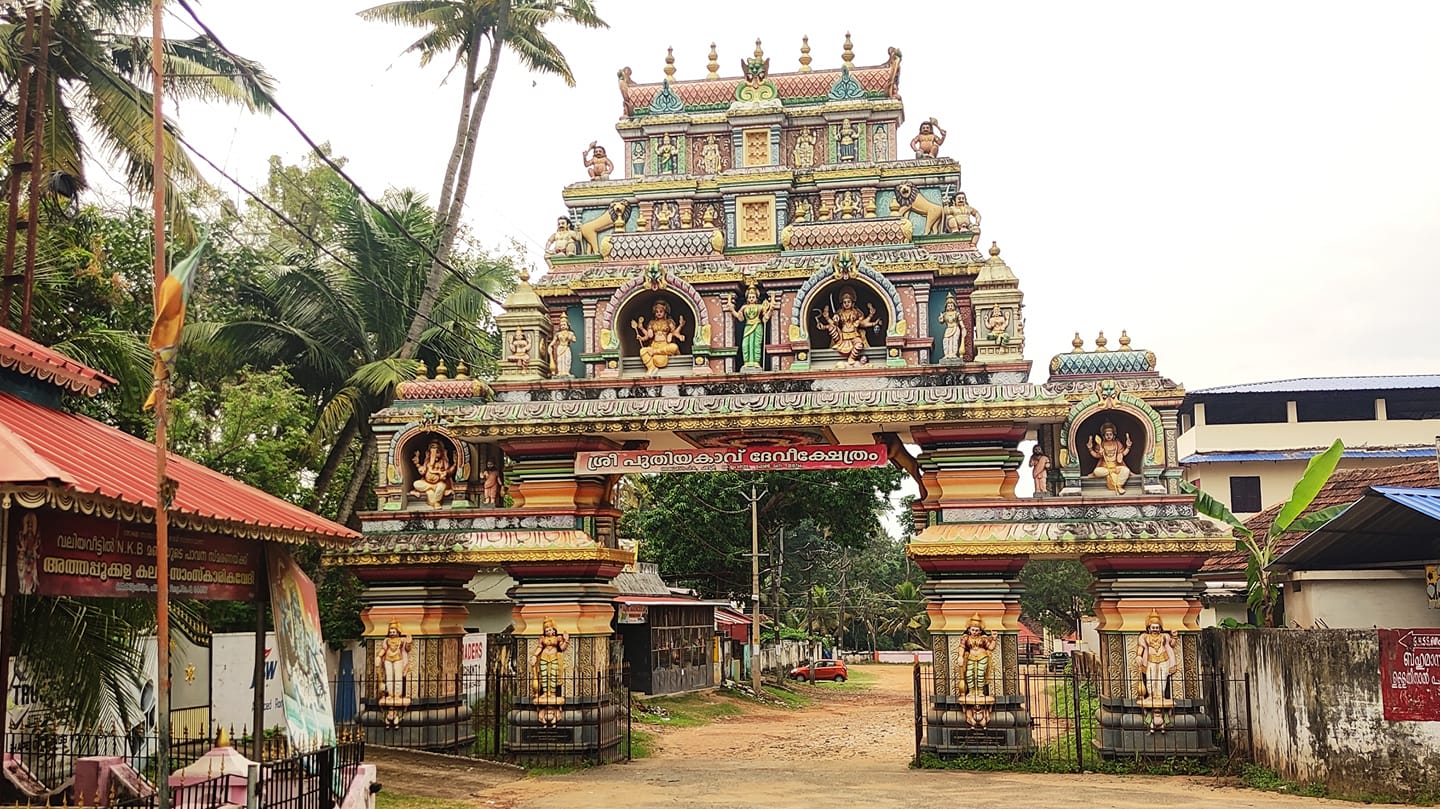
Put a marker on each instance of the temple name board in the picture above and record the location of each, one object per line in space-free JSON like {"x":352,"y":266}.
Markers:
{"x":61,"y":554}
{"x":746,"y":459}
{"x":1410,"y":674}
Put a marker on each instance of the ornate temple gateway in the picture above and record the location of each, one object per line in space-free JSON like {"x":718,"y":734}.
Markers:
{"x":776,"y":259}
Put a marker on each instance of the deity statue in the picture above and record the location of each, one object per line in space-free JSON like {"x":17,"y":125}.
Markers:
{"x":752,"y":314}
{"x":664,"y":215}
{"x":637,"y":158}
{"x":952,"y":341}
{"x":927,"y":143}
{"x":996,"y":324}
{"x":976,"y":647}
{"x":960,"y":216}
{"x":847,"y":139}
{"x":803,"y":154}
{"x":1109,"y":455}
{"x":560,"y":349}
{"x":435,"y":472}
{"x":392,"y":662}
{"x":847,"y":205}
{"x":1039,"y":467}
{"x":520,"y":349}
{"x":564,"y":241}
{"x":548,"y":677}
{"x":667,"y":155}
{"x":880,"y":143}
{"x":710,"y":156}
{"x":659,"y":339}
{"x":490,"y":485}
{"x":847,"y":327}
{"x":596,"y":163}
{"x":1154,"y":663}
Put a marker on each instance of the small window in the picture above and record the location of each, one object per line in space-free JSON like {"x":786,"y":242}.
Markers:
{"x":1245,"y":494}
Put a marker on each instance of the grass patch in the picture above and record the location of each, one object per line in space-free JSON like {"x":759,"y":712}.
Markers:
{"x":786,"y":696}
{"x":389,"y":799}
{"x":1265,"y":779}
{"x":641,"y":743}
{"x":688,"y":711}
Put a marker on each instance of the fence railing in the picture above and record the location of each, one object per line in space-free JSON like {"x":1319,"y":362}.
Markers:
{"x":1072,"y":721}
{"x":45,"y":762}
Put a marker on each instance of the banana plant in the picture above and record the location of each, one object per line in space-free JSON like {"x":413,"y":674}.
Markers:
{"x":1262,"y":594}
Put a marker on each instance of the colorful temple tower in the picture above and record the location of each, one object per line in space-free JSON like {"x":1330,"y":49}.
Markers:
{"x":774,"y":259}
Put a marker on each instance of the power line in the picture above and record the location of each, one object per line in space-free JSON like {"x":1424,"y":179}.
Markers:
{"x":315,"y":147}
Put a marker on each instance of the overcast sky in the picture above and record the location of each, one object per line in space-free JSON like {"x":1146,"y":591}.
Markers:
{"x":1251,"y":189}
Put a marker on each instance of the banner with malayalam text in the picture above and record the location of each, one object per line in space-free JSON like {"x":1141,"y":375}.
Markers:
{"x":1410,"y":674}
{"x":62,"y":554}
{"x":721,"y":459}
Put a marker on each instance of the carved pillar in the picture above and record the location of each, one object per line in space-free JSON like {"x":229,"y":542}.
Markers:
{"x":1140,"y":714}
{"x":969,"y":461}
{"x":427,"y":604}
{"x":976,"y":707}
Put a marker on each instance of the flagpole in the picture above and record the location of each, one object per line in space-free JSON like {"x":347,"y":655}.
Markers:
{"x":162,"y":538}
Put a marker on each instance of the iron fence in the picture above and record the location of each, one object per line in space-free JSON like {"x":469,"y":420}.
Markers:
{"x":1072,"y":720}
{"x":500,"y":716}
{"x":41,"y":767}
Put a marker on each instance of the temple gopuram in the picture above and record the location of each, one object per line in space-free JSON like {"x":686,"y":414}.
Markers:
{"x":776,"y":260}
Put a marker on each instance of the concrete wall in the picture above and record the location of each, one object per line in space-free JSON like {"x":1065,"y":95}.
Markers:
{"x":1315,"y":711}
{"x":1358,"y":599}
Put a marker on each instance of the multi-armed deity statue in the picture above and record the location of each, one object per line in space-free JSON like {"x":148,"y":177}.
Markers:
{"x":871,"y":315}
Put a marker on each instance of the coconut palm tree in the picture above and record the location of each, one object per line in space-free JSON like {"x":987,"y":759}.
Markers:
{"x":461,"y":28}
{"x":97,"y":80}
{"x":339,"y":325}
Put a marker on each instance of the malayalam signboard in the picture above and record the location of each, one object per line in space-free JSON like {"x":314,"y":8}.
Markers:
{"x":723,"y":459}
{"x":62,"y":554}
{"x":1410,"y":674}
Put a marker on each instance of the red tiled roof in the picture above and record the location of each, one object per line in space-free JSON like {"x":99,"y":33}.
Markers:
{"x":1345,"y":486}
{"x":40,"y":443}
{"x":30,"y":358}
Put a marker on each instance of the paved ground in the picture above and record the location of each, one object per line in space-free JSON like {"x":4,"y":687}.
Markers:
{"x":853,"y":746}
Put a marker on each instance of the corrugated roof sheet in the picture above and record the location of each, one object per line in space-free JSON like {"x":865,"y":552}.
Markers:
{"x":1345,"y":486}
{"x":97,"y":459}
{"x":1389,"y":526}
{"x":1305,"y":455}
{"x":32,"y":359}
{"x":1425,"y":501}
{"x":1329,"y":383}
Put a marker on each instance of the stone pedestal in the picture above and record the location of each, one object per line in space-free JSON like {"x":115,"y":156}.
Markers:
{"x":951,"y":731}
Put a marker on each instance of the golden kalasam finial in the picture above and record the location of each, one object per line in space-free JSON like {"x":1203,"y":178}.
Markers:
{"x":462,"y":371}
{"x":670,"y":63}
{"x":994,"y":249}
{"x":421,"y":372}
{"x":1078,"y":344}
{"x":1124,"y":341}
{"x":713,"y":66}
{"x":1100,"y":342}
{"x":223,"y":740}
{"x":805,"y":54}
{"x":525,"y":275}
{"x":441,"y":370}
{"x":759,"y":51}
{"x":848,"y":56}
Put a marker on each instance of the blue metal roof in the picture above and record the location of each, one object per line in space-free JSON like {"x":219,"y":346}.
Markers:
{"x":1425,"y":501}
{"x":1305,"y":455}
{"x":1330,"y":383}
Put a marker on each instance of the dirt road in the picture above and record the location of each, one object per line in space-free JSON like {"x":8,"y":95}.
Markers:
{"x":854,"y":746}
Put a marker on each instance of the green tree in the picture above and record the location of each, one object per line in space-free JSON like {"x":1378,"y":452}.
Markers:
{"x":907,"y":616}
{"x":1262,"y":593}
{"x":462,"y":28}
{"x":97,"y":97}
{"x":1057,"y":594}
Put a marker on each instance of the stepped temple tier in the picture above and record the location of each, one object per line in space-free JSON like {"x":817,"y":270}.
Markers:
{"x":777,"y":259}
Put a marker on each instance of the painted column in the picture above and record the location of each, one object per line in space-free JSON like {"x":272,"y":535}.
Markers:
{"x":970,"y":461}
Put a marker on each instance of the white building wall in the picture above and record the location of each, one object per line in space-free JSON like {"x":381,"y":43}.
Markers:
{"x":1358,"y":599}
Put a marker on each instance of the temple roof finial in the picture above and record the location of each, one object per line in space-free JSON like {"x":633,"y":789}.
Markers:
{"x":848,"y":56}
{"x":759,"y":52}
{"x":995,"y":249}
{"x":713,"y":66}
{"x":1100,"y":342}
{"x":805,"y":54}
{"x":670,"y":63}
{"x":1124,"y":340}
{"x":1078,"y":344}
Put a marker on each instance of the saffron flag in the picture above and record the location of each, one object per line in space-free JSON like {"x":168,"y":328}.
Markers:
{"x":170,"y":300}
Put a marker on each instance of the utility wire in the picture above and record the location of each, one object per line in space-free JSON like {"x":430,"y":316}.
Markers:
{"x":315,"y":147}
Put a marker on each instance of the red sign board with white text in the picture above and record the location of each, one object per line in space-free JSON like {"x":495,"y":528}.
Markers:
{"x":724,"y":459}
{"x":63,"y":554}
{"x":1410,"y":674}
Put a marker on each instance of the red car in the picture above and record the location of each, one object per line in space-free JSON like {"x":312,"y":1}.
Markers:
{"x":824,"y":670}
